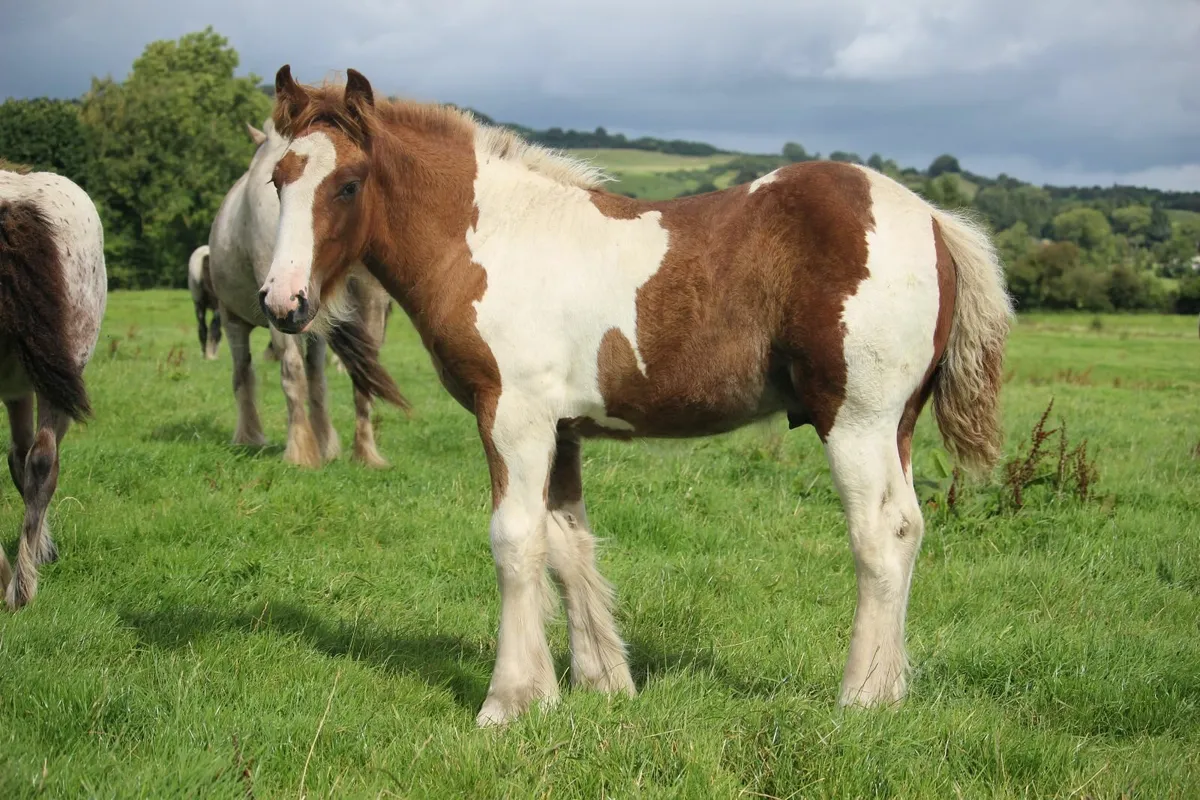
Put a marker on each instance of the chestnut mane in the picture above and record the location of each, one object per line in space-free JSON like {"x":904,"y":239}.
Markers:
{"x":326,"y":106}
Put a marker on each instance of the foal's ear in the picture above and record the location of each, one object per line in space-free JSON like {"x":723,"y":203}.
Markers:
{"x":257,"y":136}
{"x":290,"y":99}
{"x":358,"y":90}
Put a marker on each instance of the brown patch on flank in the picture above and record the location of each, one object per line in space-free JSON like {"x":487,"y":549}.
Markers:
{"x":744,"y":316}
{"x":947,"y":280}
{"x":33,"y":307}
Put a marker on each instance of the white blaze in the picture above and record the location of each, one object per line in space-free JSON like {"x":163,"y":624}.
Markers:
{"x":291,"y":264}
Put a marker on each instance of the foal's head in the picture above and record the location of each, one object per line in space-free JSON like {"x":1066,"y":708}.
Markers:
{"x":324,"y":185}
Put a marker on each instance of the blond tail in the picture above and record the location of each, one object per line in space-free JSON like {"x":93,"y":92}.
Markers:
{"x":966,"y":392}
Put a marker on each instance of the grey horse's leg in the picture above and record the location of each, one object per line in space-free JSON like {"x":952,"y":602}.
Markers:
{"x":249,"y":428}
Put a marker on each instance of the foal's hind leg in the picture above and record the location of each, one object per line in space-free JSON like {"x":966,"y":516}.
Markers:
{"x":314,"y":369}
{"x":249,"y":428}
{"x":302,"y":449}
{"x":40,"y":481}
{"x":597,"y":653}
{"x":373,"y":309}
{"x":884,"y":519}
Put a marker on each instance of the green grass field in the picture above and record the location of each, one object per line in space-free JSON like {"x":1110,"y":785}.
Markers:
{"x":221,"y":624}
{"x":653,"y":176}
{"x":617,"y":160}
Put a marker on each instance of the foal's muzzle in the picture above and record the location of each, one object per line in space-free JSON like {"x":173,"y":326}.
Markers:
{"x":295,"y":320}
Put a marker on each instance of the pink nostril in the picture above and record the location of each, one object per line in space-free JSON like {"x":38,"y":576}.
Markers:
{"x":275,"y":303}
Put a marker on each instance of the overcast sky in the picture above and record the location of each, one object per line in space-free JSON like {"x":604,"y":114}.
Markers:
{"x":1053,"y":91}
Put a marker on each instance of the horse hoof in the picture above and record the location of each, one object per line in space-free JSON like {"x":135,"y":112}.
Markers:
{"x":370,"y":459}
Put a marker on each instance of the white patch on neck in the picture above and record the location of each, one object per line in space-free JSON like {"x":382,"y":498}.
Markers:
{"x":758,"y":183}
{"x":291,"y":264}
{"x":560,"y":275}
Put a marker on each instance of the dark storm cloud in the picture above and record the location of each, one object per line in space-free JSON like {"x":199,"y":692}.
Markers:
{"x":1052,"y":90}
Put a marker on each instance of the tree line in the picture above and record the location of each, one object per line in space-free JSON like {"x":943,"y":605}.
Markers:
{"x":158,"y":150}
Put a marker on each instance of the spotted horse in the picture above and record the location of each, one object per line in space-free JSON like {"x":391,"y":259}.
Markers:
{"x":53,"y":292}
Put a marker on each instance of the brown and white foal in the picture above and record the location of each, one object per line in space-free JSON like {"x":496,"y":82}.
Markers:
{"x":53,"y":290}
{"x":554,"y":311}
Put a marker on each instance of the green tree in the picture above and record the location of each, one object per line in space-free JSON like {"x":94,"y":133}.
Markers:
{"x":1033,"y":280}
{"x":1014,"y":244}
{"x":46,"y":135}
{"x":1188,"y":301}
{"x":1159,"y":229}
{"x":847,"y":158}
{"x":1131,"y":289}
{"x":794,"y":152}
{"x":1177,"y":254}
{"x":168,"y":143}
{"x":1085,"y":227}
{"x":945,"y":191}
{"x":943,"y":164}
{"x":876,"y":162}
{"x":1006,"y":205}
{"x":1132,"y":222}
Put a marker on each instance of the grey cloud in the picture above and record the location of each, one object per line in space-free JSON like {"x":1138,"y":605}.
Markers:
{"x":1086,"y":89}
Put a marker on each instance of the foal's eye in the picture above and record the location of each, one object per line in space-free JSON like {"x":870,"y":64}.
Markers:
{"x":349,"y":190}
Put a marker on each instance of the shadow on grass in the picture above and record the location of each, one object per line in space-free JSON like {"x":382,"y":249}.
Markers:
{"x":205,"y":430}
{"x":202,"y":429}
{"x":648,"y":663}
{"x":445,"y":661}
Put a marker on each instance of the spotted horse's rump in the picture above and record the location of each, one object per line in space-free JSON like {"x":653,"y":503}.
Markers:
{"x":556,"y":311}
{"x":53,"y":291}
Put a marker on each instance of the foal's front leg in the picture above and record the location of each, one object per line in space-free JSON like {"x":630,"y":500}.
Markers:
{"x":249,"y":427}
{"x":519,"y":451}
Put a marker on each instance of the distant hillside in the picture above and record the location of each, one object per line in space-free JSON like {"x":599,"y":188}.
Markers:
{"x":751,"y":165}
{"x":600,"y":138}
